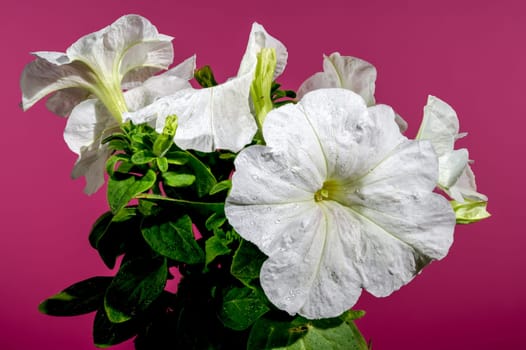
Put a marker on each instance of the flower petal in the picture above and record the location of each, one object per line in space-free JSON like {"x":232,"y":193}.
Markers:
{"x":103,"y":50}
{"x":439,"y":125}
{"x":262,"y":214}
{"x":258,"y":39}
{"x":46,"y":74}
{"x":466,"y":188}
{"x":343,"y":72}
{"x":213,"y":118}
{"x":451,"y":165}
{"x":310,"y":272}
{"x":91,"y":164}
{"x":88,"y":124}
{"x":154,"y":54}
{"x":62,"y":102}
{"x":329,"y":122}
{"x":165,"y":84}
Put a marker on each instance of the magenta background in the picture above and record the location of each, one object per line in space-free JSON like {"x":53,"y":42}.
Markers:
{"x":470,"y":53}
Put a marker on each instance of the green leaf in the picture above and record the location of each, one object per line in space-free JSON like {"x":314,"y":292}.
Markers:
{"x":247,"y":262}
{"x":110,"y":234}
{"x":214,"y":247}
{"x":107,"y":333}
{"x":80,"y":298}
{"x":242,"y":307}
{"x":162,"y":164}
{"x":137,"y":284}
{"x":203,"y":208}
{"x":177,"y":157}
{"x":215,"y":221}
{"x":174,"y":239}
{"x":221,"y":186}
{"x":205,"y":180}
{"x":142,"y":157}
{"x":120,"y":192}
{"x":338,"y":333}
{"x":173,"y":179}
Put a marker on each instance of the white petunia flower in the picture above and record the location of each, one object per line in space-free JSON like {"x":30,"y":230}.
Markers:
{"x":100,"y":64}
{"x":101,"y":76}
{"x":217,"y":117}
{"x":349,"y":73}
{"x":90,"y":122}
{"x":339,"y":200}
{"x":440,"y":126}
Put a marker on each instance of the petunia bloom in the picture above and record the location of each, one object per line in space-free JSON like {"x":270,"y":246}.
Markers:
{"x":88,"y":81}
{"x":440,"y":126}
{"x":349,"y":73}
{"x":90,"y":122}
{"x":218,"y":117}
{"x":339,"y":200}
{"x":100,"y":64}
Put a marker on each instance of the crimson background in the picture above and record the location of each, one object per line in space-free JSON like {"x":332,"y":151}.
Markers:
{"x":470,"y":53}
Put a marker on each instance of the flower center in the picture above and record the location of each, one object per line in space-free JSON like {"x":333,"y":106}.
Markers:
{"x":327,"y":191}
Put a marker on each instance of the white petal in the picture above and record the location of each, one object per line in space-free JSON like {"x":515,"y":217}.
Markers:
{"x":88,"y":124}
{"x":213,"y":118}
{"x":155,"y":54}
{"x":402,"y":124}
{"x":261,"y":214}
{"x":466,"y":188}
{"x":451,"y":165}
{"x":258,"y":39}
{"x":337,"y":120}
{"x":42,"y":77}
{"x":397,"y":195}
{"x":439,"y":125}
{"x":92,"y":165}
{"x":103,"y":50}
{"x":165,"y":84}
{"x":311,"y":271}
{"x":62,"y":102}
{"x":343,"y":72}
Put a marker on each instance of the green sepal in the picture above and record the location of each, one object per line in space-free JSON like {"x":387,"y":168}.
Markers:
{"x":260,"y":89}
{"x":205,"y":77}
{"x":137,"y":284}
{"x":470,"y":211}
{"x":242,"y":307}
{"x":339,"y":333}
{"x":78,"y":299}
{"x":107,"y":333}
{"x":174,"y":179}
{"x":164,"y":141}
{"x":173,"y":239}
{"x":246,"y":263}
{"x":122,"y":191}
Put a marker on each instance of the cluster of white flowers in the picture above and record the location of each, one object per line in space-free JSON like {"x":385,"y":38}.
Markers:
{"x":337,"y":198}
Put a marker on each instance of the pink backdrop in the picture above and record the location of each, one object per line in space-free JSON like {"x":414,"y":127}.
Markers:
{"x":470,"y":53}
